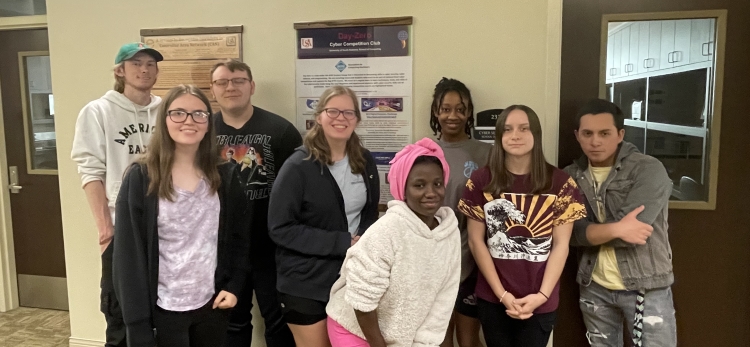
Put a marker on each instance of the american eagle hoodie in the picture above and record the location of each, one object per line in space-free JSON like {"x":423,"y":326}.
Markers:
{"x":110,"y":133}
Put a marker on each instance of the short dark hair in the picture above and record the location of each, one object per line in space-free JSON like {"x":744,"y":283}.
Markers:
{"x":233,"y":65}
{"x":598,"y":106}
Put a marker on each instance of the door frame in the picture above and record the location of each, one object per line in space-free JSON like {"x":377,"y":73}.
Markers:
{"x":8,"y":279}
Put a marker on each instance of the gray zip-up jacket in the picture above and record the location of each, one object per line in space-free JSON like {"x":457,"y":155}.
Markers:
{"x":636,"y":179}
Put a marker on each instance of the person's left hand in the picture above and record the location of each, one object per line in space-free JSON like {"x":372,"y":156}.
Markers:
{"x":225,"y":300}
{"x":528,"y":304}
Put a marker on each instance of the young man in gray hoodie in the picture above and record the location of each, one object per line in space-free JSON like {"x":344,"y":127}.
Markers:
{"x":110,"y":133}
{"x":625,"y":269}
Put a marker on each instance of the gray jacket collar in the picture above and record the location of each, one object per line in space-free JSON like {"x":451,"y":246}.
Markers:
{"x":625,"y":149}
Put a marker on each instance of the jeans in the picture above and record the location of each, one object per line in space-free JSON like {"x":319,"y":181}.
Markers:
{"x":605,"y":310}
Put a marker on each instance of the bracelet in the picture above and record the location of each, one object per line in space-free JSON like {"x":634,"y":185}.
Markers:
{"x":544,"y":295}
{"x":502,"y":296}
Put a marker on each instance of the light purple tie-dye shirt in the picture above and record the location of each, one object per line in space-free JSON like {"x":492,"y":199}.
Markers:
{"x":188,"y":236}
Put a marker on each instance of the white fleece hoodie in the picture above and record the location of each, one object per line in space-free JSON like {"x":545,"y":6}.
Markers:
{"x":110,"y":133}
{"x":406,"y":271}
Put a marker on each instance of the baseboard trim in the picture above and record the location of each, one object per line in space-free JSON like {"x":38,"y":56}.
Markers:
{"x":76,"y":342}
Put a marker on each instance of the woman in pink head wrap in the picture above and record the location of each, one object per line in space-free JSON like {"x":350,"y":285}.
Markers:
{"x":398,"y":284}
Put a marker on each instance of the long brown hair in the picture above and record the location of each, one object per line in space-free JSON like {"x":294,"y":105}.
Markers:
{"x":159,"y":157}
{"x":315,"y":139}
{"x":541,"y":171}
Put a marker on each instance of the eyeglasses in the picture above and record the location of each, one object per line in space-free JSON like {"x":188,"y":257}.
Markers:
{"x":334,"y":113}
{"x":180,"y":116}
{"x":237,"y":81}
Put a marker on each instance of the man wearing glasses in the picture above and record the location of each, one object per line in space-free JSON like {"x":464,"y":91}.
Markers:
{"x":110,"y":132}
{"x":250,"y":132}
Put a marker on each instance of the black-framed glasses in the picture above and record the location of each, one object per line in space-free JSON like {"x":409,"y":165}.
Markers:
{"x":180,"y":116}
{"x":334,"y":113}
{"x":237,"y":81}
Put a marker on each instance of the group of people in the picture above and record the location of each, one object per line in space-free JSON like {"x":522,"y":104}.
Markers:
{"x":198,"y":209}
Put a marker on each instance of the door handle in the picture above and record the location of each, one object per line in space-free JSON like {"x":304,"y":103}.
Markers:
{"x":14,"y":187}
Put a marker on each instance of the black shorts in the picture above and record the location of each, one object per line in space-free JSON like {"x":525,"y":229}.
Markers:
{"x":302,"y":311}
{"x":466,"y":302}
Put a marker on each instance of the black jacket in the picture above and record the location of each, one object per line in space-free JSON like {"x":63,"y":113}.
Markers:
{"x":136,"y":248}
{"x":307,"y":221}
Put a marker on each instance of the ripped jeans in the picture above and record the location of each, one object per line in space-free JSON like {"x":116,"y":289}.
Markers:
{"x":605,"y":310}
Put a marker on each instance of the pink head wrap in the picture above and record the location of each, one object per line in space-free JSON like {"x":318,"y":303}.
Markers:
{"x":404,"y":160}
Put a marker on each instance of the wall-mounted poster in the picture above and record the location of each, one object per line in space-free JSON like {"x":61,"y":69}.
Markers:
{"x":373,"y":58}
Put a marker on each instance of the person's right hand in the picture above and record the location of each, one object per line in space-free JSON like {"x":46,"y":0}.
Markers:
{"x":631,"y":230}
{"x":105,"y":236}
{"x":513,"y":310}
{"x":355,"y":239}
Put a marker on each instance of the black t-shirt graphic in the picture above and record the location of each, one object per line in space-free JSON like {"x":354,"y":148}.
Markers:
{"x":258,"y":150}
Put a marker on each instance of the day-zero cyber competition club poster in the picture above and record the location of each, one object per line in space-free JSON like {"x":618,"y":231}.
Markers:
{"x":376,"y":63}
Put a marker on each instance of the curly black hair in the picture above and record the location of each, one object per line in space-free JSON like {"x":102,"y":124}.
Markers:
{"x":443,"y":87}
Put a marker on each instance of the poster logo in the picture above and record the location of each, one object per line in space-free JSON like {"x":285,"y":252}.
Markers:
{"x":340,"y":66}
{"x":306,"y":43}
{"x":403,"y":36}
{"x":311,"y":103}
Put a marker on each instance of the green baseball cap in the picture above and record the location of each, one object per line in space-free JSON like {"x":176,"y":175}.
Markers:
{"x":128,"y":50}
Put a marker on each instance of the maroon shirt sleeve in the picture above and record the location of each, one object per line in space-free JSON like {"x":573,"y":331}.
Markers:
{"x":473,"y":200}
{"x":569,"y":205}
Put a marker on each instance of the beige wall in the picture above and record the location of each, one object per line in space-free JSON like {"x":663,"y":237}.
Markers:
{"x":506,"y":51}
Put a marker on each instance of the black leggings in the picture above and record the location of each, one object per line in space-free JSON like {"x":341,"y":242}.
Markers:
{"x":500,"y":330}
{"x":203,"y":327}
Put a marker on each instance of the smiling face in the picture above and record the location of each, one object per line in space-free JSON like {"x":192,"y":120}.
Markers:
{"x":452,"y":116}
{"x":231,"y":96}
{"x":187,"y":133}
{"x":425,"y":190}
{"x":341,"y":127}
{"x":139,"y":72}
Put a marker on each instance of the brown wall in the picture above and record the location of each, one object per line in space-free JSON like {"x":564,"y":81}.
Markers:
{"x":711,"y":248}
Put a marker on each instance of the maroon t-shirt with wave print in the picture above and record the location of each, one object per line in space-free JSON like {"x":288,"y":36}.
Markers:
{"x":519,"y":230}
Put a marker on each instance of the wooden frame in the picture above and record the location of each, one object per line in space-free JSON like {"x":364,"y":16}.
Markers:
{"x":8,"y":278}
{"x":234,"y":29}
{"x":25,"y":104}
{"x":354,"y":22}
{"x":23,"y":22}
{"x":715,"y":126}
